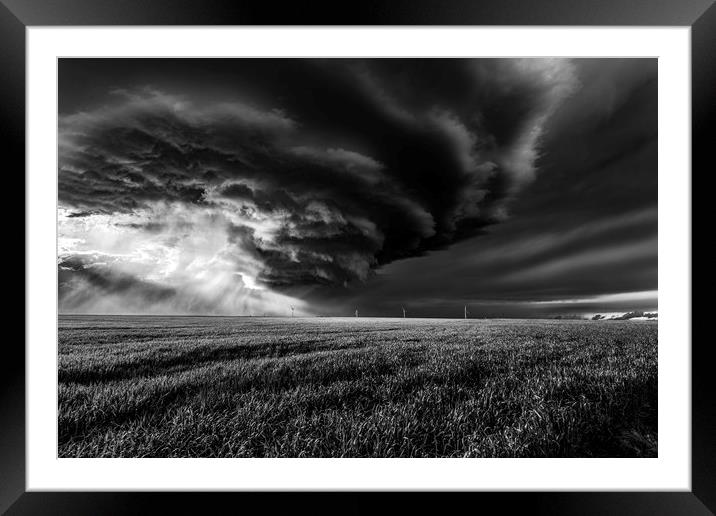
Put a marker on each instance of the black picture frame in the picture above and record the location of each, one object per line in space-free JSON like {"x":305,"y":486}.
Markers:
{"x":17,"y":15}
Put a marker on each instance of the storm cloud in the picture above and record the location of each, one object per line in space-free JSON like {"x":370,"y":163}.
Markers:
{"x":517,"y":187}
{"x":580,"y":239}
{"x":316,"y":172}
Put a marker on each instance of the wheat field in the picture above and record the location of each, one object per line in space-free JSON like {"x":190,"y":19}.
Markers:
{"x":355,"y":387}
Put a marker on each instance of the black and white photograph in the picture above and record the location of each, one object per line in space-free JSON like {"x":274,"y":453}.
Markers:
{"x":357,"y":258}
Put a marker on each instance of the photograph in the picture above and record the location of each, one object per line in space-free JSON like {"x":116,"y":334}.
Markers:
{"x":293,"y":257}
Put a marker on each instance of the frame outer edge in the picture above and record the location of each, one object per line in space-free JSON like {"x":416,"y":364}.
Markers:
{"x":12,"y":125}
{"x":366,"y":12}
{"x":703,"y":112}
{"x":12,"y":364}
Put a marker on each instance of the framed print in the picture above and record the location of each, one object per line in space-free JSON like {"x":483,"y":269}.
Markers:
{"x":444,"y":248}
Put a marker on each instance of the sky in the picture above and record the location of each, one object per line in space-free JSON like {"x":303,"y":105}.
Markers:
{"x":512,"y":187}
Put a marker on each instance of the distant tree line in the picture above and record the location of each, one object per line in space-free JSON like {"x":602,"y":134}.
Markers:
{"x":626,"y":316}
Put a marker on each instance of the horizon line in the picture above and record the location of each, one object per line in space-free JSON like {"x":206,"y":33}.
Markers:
{"x":554,"y":318}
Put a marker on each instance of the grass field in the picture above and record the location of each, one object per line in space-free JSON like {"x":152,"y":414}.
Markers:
{"x":268,"y":387}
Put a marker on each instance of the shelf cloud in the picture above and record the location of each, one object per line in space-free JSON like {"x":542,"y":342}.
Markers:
{"x":267,"y":182}
{"x":363,"y":163}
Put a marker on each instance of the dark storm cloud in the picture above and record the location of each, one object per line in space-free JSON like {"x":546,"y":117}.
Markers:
{"x":80,"y":214}
{"x":328,"y":169}
{"x":586,"y":228}
{"x":542,"y":258}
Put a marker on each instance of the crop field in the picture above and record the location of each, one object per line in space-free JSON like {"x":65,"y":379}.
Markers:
{"x":355,"y":387}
